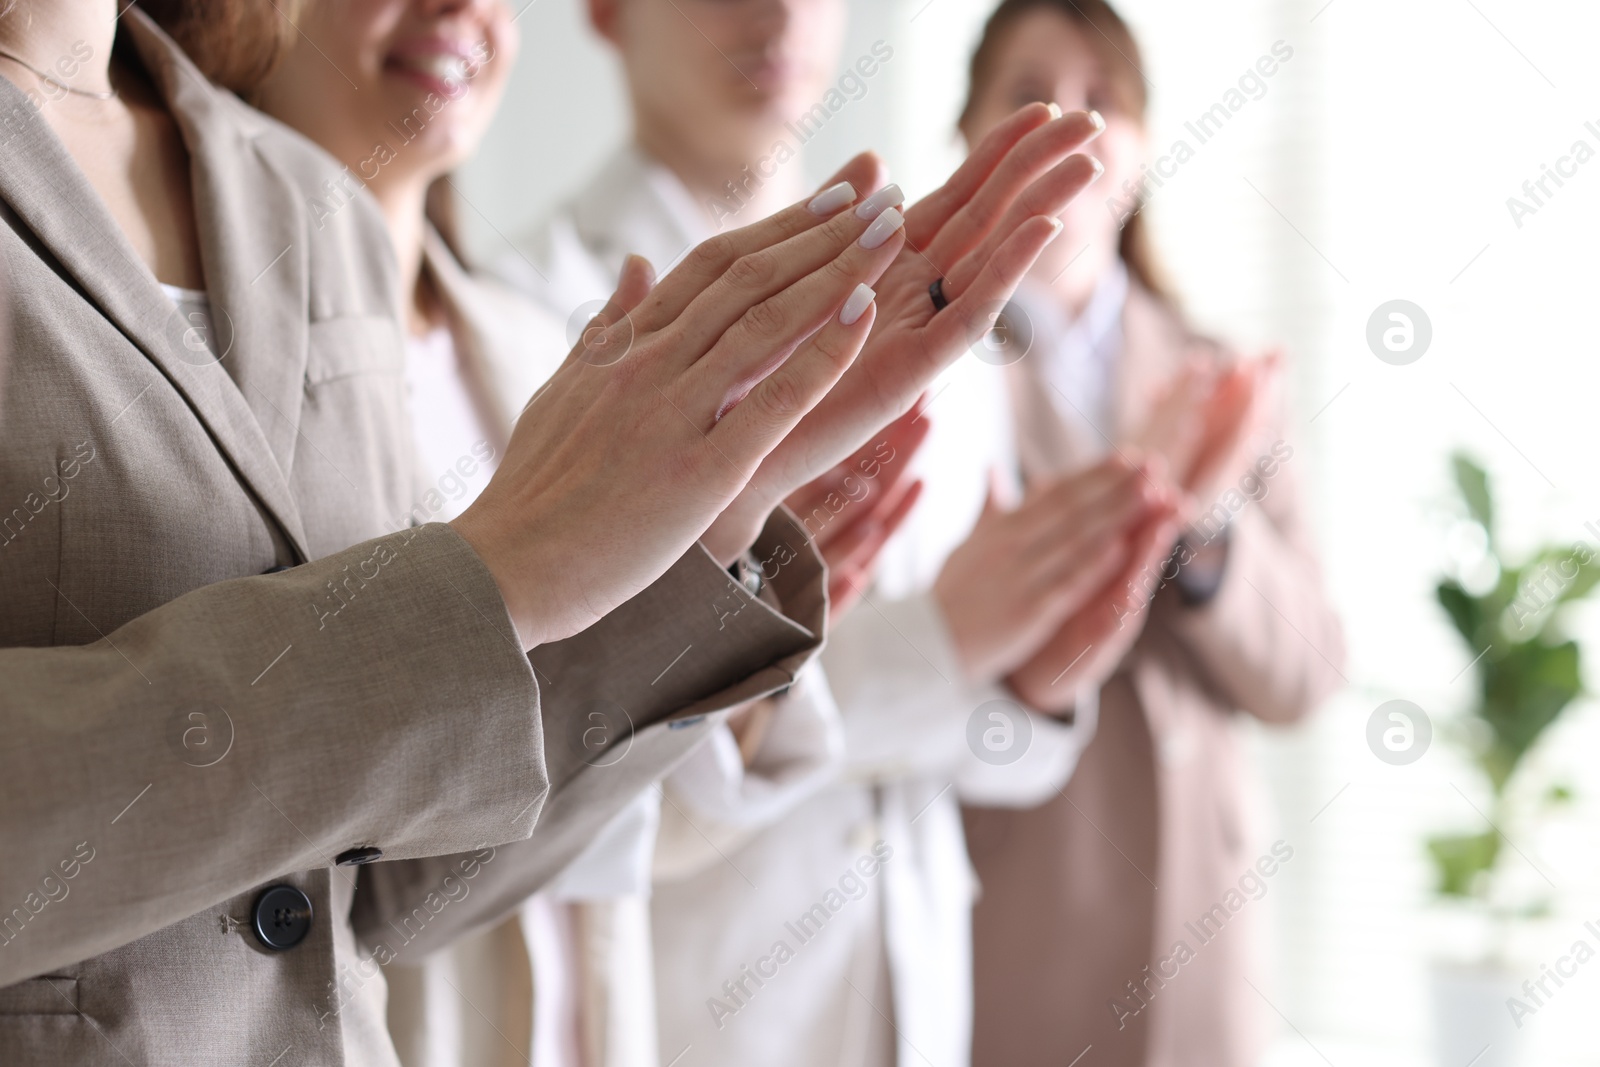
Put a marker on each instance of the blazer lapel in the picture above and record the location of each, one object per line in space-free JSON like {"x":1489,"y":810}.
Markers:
{"x":51,"y":196}
{"x":1153,"y":346}
{"x":250,"y":222}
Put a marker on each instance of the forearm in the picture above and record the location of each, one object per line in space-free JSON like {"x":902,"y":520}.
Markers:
{"x":257,"y":727}
{"x":1268,"y":639}
{"x":625,"y":702}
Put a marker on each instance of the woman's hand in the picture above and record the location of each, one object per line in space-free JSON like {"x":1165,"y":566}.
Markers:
{"x":1088,"y":646}
{"x":1232,"y":421}
{"x":980,"y":232}
{"x":1207,"y":419}
{"x":659,"y":417}
{"x":853,"y":509}
{"x":1020,"y":574}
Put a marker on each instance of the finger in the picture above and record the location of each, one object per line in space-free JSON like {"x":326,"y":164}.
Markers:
{"x":843,"y":592}
{"x":763,"y":337}
{"x":884,"y":464}
{"x":1151,"y":546}
{"x":908,"y":497}
{"x":757,"y":292}
{"x":951,"y":331}
{"x":890,"y":451}
{"x":1022,"y":176}
{"x":930,"y":214}
{"x":764,"y":417}
{"x":611,"y":328}
{"x":1063,"y":509}
{"x":1083,"y":486}
{"x":866,"y":539}
{"x":1069,"y":579}
{"x":888,"y":500}
{"x":1048,"y":196}
{"x":846,"y":551}
{"x":638,"y":277}
{"x":1111,"y":514}
{"x":897,"y":471}
{"x":865,"y":558}
{"x":713,"y":258}
{"x":866,"y":501}
{"x":865,"y":171}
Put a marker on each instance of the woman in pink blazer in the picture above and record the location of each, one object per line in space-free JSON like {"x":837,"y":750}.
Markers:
{"x":1117,"y":915}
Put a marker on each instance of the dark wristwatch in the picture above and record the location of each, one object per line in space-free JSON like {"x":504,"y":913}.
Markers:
{"x":1200,"y":579}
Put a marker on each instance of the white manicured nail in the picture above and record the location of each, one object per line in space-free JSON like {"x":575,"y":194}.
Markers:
{"x":856,"y":306}
{"x":832,"y":199}
{"x":873,"y":206}
{"x":883,"y":227}
{"x":1097,"y":120}
{"x":1055,"y":109}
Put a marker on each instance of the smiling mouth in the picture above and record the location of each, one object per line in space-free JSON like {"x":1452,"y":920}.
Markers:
{"x":450,"y":72}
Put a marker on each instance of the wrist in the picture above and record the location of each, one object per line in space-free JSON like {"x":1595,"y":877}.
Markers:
{"x":731,"y":533}
{"x":521,"y":606}
{"x":1202,"y":567}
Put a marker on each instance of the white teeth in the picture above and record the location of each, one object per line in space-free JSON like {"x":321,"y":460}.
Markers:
{"x":451,"y":69}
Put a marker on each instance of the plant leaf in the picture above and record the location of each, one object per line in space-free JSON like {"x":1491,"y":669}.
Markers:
{"x":1473,"y":482}
{"x":1464,"y":611}
{"x":1460,"y":858}
{"x":1525,"y":688}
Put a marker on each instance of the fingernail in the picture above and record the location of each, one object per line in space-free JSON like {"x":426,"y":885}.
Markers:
{"x":1055,"y":109}
{"x":1099,"y":167}
{"x":1097,"y":120}
{"x":1056,"y":226}
{"x":857,"y":305}
{"x":883,"y":227}
{"x":874,"y":205}
{"x":832,"y":199}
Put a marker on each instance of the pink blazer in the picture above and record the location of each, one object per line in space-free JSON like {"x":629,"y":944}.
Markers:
{"x":1120,"y":914}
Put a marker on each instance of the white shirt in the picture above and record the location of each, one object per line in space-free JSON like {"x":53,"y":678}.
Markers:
{"x":448,"y":431}
{"x":905,"y":712}
{"x":1079,"y":355}
{"x":569,"y":265}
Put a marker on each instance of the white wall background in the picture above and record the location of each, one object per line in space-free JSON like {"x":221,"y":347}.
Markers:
{"x":1376,"y":166}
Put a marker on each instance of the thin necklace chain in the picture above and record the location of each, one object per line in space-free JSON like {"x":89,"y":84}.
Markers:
{"x":108,"y":94}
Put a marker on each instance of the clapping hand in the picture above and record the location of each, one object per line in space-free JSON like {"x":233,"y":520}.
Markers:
{"x":980,"y":232}
{"x":853,"y":509}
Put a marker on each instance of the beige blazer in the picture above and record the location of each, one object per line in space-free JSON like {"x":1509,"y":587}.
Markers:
{"x":1070,"y":911}
{"x":183,"y":729}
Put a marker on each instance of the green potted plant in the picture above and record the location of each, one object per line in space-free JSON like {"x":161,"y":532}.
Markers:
{"x":1527,"y":673}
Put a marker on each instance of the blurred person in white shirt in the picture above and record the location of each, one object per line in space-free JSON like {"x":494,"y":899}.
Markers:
{"x":722,"y":92}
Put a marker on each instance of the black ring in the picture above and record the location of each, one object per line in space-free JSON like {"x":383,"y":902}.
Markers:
{"x":936,"y":290}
